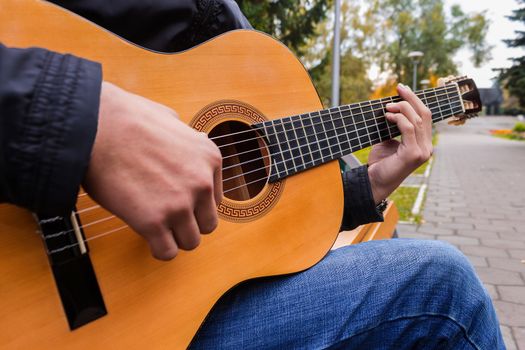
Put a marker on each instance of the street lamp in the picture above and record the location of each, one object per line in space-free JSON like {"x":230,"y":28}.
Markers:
{"x":336,"y":64}
{"x":415,"y":56}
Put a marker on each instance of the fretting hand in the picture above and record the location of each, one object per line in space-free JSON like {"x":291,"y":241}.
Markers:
{"x":153,"y":171}
{"x":392,"y":161}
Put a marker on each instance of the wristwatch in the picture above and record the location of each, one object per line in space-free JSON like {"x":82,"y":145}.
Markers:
{"x":381,"y":207}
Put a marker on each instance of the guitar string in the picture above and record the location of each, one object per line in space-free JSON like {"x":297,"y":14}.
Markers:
{"x":375,"y":102}
{"x":381,"y":101}
{"x":267,"y":177}
{"x":54,"y":235}
{"x":393,"y":99}
{"x":390,"y":128}
{"x":364,"y":121}
{"x":379,"y":131}
{"x":382,"y":108}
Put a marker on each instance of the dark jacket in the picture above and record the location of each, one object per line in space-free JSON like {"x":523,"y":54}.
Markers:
{"x":49,"y":102}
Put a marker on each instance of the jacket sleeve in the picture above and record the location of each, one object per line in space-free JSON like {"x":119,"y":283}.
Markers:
{"x":48,"y":117}
{"x":162,"y":25}
{"x":359,"y":206}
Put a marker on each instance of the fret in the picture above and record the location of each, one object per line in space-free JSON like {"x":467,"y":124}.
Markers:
{"x":344,"y":141}
{"x":298,"y":143}
{"x":438,"y":105}
{"x":456,"y":104}
{"x":302,"y":141}
{"x":285,"y":144}
{"x":326,"y":152}
{"x":382,"y":124}
{"x":371,"y":125}
{"x":330,"y":133}
{"x":390,"y":100}
{"x":351,"y":133}
{"x":336,"y":123}
{"x":377,"y":114}
{"x":276,"y":151}
{"x":362,"y":131}
{"x":354,"y":135}
{"x":313,"y":142}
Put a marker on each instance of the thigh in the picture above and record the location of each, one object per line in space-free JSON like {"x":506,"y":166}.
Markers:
{"x":384,"y":294}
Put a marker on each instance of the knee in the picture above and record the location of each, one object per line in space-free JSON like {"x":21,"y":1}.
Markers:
{"x":450,"y":272}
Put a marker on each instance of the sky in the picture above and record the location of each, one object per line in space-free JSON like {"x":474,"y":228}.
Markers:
{"x":500,"y":28}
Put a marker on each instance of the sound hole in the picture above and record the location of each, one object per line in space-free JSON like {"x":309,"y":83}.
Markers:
{"x":245,"y":161}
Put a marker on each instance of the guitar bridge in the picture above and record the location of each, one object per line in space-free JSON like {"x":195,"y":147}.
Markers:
{"x":74,"y":274}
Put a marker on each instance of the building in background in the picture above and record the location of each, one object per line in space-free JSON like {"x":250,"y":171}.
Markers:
{"x":492,"y":99}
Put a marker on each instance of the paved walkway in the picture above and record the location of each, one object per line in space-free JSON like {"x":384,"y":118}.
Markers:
{"x":476,"y":201}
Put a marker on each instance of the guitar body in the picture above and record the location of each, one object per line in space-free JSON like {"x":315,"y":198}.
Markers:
{"x":286,"y":227}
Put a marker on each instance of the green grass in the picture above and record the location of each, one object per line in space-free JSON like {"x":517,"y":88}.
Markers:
{"x":404,"y":197}
{"x":362,"y":155}
{"x":511,"y":137}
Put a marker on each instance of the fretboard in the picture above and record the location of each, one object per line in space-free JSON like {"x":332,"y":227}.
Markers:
{"x":300,"y":142}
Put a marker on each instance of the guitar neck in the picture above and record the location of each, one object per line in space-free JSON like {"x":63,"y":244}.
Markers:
{"x":300,"y":142}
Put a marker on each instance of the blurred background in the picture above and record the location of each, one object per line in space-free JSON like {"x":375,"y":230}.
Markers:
{"x":472,"y":191}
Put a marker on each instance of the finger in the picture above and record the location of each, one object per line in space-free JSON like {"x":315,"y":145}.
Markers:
{"x":186,"y":230}
{"x":421,"y":109}
{"x":206,"y":213}
{"x":407,"y":129}
{"x":162,"y":244}
{"x":217,"y":190}
{"x":408,"y":95}
{"x":422,"y":136}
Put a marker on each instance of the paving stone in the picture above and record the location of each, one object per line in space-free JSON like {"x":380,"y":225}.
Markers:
{"x":458,"y":240}
{"x":471,"y":220}
{"x":519,"y":336}
{"x":487,"y":252}
{"x":408,"y":228}
{"x":508,"y":338}
{"x":478,"y":261}
{"x":499,"y":277}
{"x":430,"y":230}
{"x":497,"y":227}
{"x":493,"y":292}
{"x":517,"y":253}
{"x":514,"y":294}
{"x":519,"y":236}
{"x":507,"y":264}
{"x":417,"y":236}
{"x":475,"y":194}
{"x":502,"y":243}
{"x":510,"y":314}
{"x":479,"y":233}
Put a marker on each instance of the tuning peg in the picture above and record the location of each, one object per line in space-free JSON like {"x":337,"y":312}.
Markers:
{"x":457,"y":122}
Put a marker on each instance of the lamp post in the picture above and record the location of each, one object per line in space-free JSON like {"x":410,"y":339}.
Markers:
{"x":415,"y":56}
{"x":336,"y":66}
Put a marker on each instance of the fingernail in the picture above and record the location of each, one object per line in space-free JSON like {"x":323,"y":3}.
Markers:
{"x":389,"y":104}
{"x":401,"y":86}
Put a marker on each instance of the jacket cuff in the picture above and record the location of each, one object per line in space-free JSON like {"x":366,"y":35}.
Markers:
{"x":359,"y":207}
{"x":64,"y":112}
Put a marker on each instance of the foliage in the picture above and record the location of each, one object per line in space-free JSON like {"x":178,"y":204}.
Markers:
{"x":514,"y":77}
{"x":424,"y":25}
{"x":374,"y":33}
{"x":404,"y":198}
{"x":293,"y":22}
{"x":519,"y":127}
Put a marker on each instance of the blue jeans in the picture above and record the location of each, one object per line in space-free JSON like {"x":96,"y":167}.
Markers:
{"x":397,"y":294}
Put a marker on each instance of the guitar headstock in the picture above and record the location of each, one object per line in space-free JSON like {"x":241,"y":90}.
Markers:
{"x":469,"y":95}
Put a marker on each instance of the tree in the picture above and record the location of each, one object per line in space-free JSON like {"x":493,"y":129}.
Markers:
{"x":292,"y":22}
{"x":514,"y":77}
{"x":423,"y":25}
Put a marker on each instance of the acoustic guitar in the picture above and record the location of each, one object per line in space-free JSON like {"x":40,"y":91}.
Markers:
{"x":87,"y":281}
